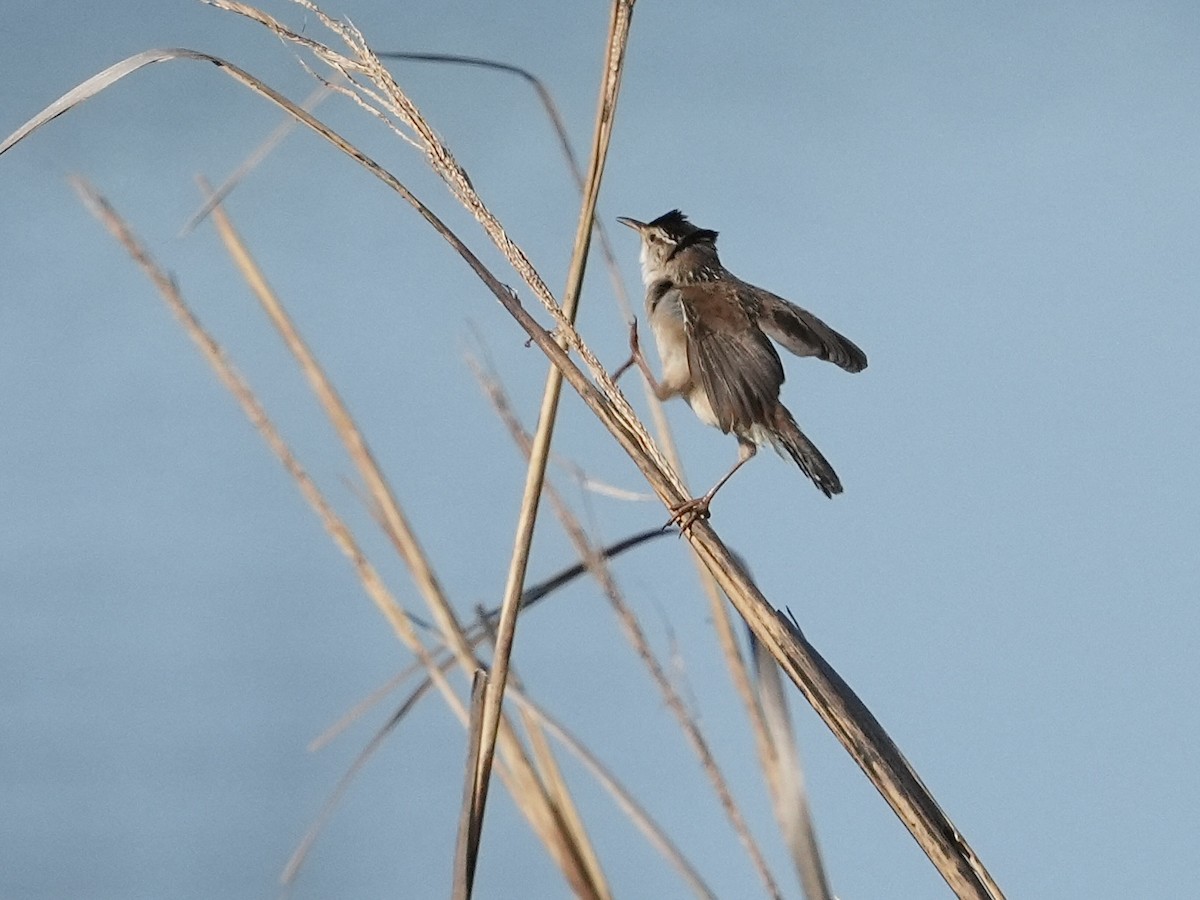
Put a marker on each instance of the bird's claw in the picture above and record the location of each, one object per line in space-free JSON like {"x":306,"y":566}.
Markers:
{"x":685,"y":515}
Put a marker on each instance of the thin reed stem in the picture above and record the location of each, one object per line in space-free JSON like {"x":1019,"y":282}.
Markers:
{"x":506,"y":630}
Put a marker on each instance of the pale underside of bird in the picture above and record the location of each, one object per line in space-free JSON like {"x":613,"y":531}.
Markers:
{"x":714,"y":335}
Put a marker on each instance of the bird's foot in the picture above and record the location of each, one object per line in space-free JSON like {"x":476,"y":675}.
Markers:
{"x":687,"y":514}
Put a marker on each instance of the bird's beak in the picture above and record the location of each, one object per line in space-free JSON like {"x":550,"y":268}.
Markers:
{"x":632,"y":223}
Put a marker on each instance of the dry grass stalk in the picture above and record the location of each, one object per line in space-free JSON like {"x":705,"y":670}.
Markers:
{"x":395,"y":524}
{"x":550,"y":774}
{"x":618,"y":36}
{"x":559,"y":792}
{"x":466,"y":847}
{"x":789,"y":797}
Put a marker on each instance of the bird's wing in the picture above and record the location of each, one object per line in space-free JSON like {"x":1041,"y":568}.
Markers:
{"x":729,"y":357}
{"x":800,"y":331}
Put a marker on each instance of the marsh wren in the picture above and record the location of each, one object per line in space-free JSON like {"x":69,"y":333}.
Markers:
{"x":714,"y":333}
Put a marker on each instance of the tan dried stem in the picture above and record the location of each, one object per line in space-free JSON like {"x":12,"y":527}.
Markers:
{"x":790,"y":797}
{"x":395,"y":524}
{"x":466,"y":845}
{"x":610,"y":89}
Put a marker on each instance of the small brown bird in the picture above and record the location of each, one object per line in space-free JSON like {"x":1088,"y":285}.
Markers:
{"x":713,"y":333}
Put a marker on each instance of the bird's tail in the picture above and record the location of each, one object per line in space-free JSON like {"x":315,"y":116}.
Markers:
{"x":788,"y":438}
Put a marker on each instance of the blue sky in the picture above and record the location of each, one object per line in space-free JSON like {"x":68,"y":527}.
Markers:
{"x":999,"y":204}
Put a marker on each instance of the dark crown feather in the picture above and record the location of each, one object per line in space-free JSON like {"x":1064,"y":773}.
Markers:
{"x":677,"y":226}
{"x":674,"y":223}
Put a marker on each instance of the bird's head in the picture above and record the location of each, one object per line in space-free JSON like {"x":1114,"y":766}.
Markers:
{"x":674,"y":248}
